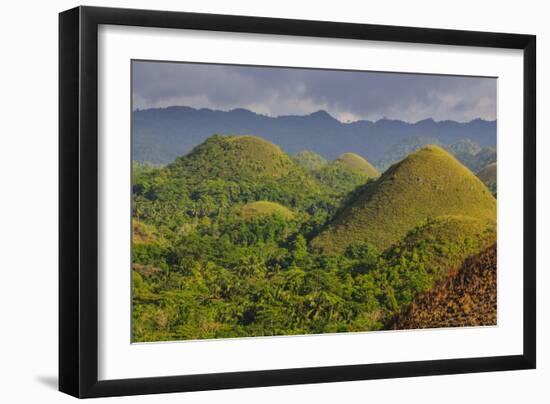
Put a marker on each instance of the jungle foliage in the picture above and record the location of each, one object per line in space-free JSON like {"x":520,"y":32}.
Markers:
{"x":222,"y":247}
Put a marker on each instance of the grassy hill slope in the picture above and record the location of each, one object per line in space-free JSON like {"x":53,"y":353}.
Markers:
{"x":235,"y":157}
{"x":358,"y":163}
{"x":265,"y":208}
{"x":217,"y":175}
{"x":428,"y":183}
{"x":443,"y":243}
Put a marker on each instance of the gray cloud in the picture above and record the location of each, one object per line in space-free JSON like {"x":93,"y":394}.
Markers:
{"x":283,"y":91}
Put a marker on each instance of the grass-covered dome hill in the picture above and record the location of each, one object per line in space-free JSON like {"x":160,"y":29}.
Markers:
{"x":219,"y":174}
{"x":264,"y":209}
{"x":428,"y":183}
{"x":235,"y":157}
{"x":358,"y":163}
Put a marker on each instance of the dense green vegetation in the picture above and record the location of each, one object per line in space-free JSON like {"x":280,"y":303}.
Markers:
{"x":309,"y":160}
{"x":339,"y":179}
{"x":226,"y":242}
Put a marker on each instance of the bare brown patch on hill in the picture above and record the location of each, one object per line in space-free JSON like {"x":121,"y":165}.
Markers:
{"x":467,"y":297}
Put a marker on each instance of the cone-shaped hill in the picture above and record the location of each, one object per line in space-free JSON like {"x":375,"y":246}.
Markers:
{"x":241,"y":169}
{"x":358,"y":163}
{"x":346,"y":173}
{"x":263,"y":209}
{"x":235,"y":157}
{"x":428,"y":183}
{"x":338,"y":178}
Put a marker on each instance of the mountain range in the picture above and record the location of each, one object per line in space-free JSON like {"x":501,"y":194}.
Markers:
{"x":162,"y":134}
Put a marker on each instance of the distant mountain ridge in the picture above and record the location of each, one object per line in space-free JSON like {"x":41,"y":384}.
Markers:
{"x":162,"y":134}
{"x":468,"y":152}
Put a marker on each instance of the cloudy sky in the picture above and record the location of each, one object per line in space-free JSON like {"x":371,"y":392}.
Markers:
{"x":348,"y":96}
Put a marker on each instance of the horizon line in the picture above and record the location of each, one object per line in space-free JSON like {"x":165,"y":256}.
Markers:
{"x":323,"y":111}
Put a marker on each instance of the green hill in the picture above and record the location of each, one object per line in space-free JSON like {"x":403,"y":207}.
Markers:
{"x":309,"y":160}
{"x":426,"y":255}
{"x":444,"y":242}
{"x":265,"y":208}
{"x":245,"y":169}
{"x":345,"y":174}
{"x":217,"y":175}
{"x":339,"y":178}
{"x":428,"y":183}
{"x":232,"y":157}
{"x":358,"y":163}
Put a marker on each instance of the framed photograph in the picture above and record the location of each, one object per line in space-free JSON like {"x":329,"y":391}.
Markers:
{"x":251,"y":201}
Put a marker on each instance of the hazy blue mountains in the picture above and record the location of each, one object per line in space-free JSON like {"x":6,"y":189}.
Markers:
{"x":162,"y":134}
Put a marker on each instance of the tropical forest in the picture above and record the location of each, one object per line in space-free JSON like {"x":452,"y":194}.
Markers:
{"x":238,"y":237}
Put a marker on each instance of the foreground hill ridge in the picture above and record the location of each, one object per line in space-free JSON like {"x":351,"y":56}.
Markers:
{"x":467,"y":297}
{"x":428,"y":183}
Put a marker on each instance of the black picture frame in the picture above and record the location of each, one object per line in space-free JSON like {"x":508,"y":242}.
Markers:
{"x":78,"y":201}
